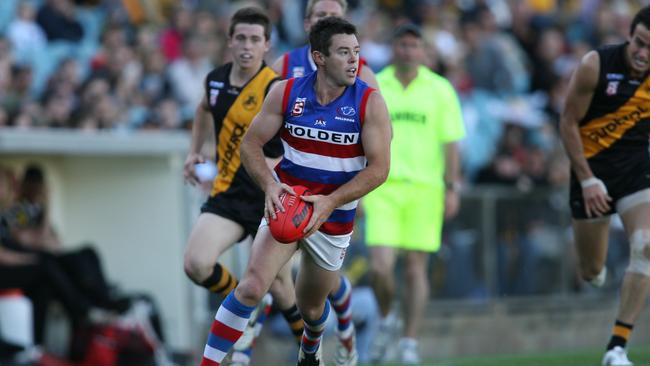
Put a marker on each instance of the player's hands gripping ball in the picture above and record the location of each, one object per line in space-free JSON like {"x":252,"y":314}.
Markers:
{"x":288,"y":225}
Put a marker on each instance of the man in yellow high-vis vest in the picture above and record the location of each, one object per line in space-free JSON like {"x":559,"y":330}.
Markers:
{"x":407,"y":212}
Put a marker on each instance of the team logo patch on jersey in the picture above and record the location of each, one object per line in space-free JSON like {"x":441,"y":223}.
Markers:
{"x":298,"y":107}
{"x":298,"y":72}
{"x":320,"y":121}
{"x":214,"y":93}
{"x":250,"y":102}
{"x":346,"y":111}
{"x":612,"y":88}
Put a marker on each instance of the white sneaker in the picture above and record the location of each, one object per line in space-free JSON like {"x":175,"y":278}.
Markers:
{"x":311,"y":359}
{"x":247,"y":338}
{"x":408,"y":351}
{"x":237,"y":359}
{"x":245,"y":341}
{"x":380,"y":348}
{"x":346,"y":351}
{"x":616,"y":357}
{"x":600,"y":279}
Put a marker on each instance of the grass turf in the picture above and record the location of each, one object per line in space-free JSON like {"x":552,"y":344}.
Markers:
{"x":640,"y":356}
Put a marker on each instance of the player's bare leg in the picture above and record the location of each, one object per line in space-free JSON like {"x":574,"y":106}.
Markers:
{"x":283,"y":295}
{"x":636,"y":283}
{"x":313,"y":284}
{"x":282,"y":288}
{"x":266,"y":260}
{"x":210,"y":237}
{"x":591,"y":239}
{"x":382,"y":277}
{"x":413,"y":304}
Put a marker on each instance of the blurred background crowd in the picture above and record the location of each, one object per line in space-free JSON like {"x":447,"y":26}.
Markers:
{"x":126,"y":65}
{"x":140,"y":65}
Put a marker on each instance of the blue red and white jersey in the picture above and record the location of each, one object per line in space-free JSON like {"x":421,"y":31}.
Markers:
{"x":298,"y":63}
{"x":322,"y":144}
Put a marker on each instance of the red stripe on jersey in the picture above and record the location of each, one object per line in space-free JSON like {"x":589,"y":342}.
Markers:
{"x":322,"y":148}
{"x":208,"y":362}
{"x":315,"y":188}
{"x":362,"y":61}
{"x":285,"y":97}
{"x":285,"y":65}
{"x":337,"y":228}
{"x":225,"y":332}
{"x":364,"y":101}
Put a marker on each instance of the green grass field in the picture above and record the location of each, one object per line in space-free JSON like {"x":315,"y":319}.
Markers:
{"x":639,"y":355}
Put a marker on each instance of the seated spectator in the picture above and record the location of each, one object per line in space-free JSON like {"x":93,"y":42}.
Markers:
{"x":25,"y":35}
{"x":36,"y":274}
{"x":31,"y":202}
{"x":66,"y":79}
{"x":187,"y":74}
{"x":33,"y":259}
{"x":18,"y":91}
{"x":58,"y":110}
{"x":31,"y":231}
{"x":57,"y":19}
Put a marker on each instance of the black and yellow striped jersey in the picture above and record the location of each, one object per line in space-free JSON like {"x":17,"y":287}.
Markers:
{"x":614,"y":131}
{"x":233,"y":109}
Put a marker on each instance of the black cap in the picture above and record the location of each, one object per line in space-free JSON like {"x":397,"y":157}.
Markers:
{"x":407,"y":28}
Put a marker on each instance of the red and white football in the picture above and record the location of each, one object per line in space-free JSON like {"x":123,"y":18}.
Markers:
{"x":288,"y":226}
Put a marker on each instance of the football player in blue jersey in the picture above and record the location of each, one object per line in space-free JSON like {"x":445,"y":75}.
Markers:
{"x":338,"y":174}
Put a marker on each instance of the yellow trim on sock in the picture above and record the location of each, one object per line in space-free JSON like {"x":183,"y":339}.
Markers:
{"x":225,"y":277}
{"x":622,"y":332}
{"x":232,"y":285}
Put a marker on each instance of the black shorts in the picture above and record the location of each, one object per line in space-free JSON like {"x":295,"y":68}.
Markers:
{"x":619,"y":184}
{"x":246,"y":212}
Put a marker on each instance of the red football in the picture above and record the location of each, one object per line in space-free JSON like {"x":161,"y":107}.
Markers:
{"x":288,"y":225}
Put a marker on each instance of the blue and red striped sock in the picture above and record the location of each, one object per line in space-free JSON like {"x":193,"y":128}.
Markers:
{"x":227,"y":327}
{"x":259,"y":322}
{"x":314,"y":331}
{"x":341,"y":302}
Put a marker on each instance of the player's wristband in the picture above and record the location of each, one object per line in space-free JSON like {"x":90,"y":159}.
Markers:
{"x":593,"y":181}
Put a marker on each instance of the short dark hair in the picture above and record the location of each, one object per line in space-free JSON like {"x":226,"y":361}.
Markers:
{"x":643,"y":17}
{"x":320,"y":36}
{"x":251,"y":15}
{"x":32,"y":184}
{"x":407,"y":28}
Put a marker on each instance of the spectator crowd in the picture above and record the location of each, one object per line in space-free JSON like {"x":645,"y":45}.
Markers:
{"x":124,"y":65}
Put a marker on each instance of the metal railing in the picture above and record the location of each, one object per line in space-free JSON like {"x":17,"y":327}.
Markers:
{"x":506,"y":243}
